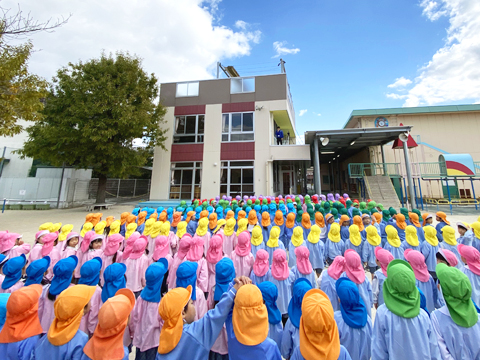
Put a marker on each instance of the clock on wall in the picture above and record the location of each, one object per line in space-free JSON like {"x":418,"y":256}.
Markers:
{"x":381,"y":122}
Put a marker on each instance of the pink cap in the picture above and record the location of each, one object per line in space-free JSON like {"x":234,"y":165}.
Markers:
{"x":41,"y":233}
{"x":449,"y":256}
{"x":129,"y":246}
{"x":196,"y":249}
{"x":472,"y":256}
{"x":417,"y":261}
{"x":353,"y":266}
{"x":215,"y":249}
{"x":303,"y":261}
{"x":243,"y":246}
{"x":113,"y":244}
{"x":161,"y":247}
{"x":261,"y":264}
{"x":184,"y":246}
{"x":280,"y":270}
{"x":337,"y":267}
{"x":7,"y":241}
{"x":48,"y":241}
{"x":3,"y":233}
{"x":384,"y":257}
{"x":139,"y":247}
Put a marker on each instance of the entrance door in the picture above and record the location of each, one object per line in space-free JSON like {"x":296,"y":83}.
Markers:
{"x":286,"y":182}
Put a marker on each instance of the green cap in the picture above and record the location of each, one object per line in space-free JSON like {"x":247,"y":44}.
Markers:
{"x":400,"y":293}
{"x":386,"y":215}
{"x":392,"y":211}
{"x":299,"y":216}
{"x":380,"y":206}
{"x":404,"y":212}
{"x":457,"y":291}
{"x":355,"y":212}
{"x":334,"y":212}
{"x":349,"y":203}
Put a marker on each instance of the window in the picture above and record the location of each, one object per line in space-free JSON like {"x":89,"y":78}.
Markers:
{"x":187,"y":89}
{"x":238,"y":127}
{"x":189,"y":129}
{"x":236,"y":178}
{"x":185,"y":180}
{"x":242,"y":85}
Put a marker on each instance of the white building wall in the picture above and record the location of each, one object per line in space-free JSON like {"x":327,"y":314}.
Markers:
{"x":211,"y":151}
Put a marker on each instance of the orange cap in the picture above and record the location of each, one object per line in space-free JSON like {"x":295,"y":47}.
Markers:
{"x":109,"y":220}
{"x":68,"y":313}
{"x":107,"y":340}
{"x":443,"y":216}
{"x":250,"y":316}
{"x":212,"y":221}
{"x":203,"y":214}
{"x":278,"y":219}
{"x":131,"y":219}
{"x":141,"y":218}
{"x":425,"y":217}
{"x":357,"y":220}
{"x":123,"y":218}
{"x":177,"y":217}
{"x":319,"y":220}
{"x":162,"y":216}
{"x":154,"y":216}
{"x":378,"y":217}
{"x":189,"y":215}
{"x":344,"y":218}
{"x":306,"y":223}
{"x":89,"y":217}
{"x":290,"y":223}
{"x":265,"y":219}
{"x":22,"y":315}
{"x":415,"y":220}
{"x":230,"y":215}
{"x":252,"y":217}
{"x":401,"y":221}
{"x":319,"y":338}
{"x":241,"y":215}
{"x":96,"y":218}
{"x":170,"y":310}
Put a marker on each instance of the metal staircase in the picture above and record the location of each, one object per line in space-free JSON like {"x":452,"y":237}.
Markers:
{"x":380,"y":189}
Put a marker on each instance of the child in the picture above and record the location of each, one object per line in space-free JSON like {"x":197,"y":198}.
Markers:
{"x":146,"y":323}
{"x":303,"y":268}
{"x":354,"y":240}
{"x":466,"y":234}
{"x":414,"y":218}
{"x":64,"y":339}
{"x":344,"y":227}
{"x":441,"y":217}
{"x":457,"y":324}
{"x":334,"y":246}
{"x":266,"y":225}
{"x":22,"y":328}
{"x":282,"y":277}
{"x":247,"y":327}
{"x":261,"y":268}
{"x":306,"y":225}
{"x":230,"y":237}
{"x":273,"y":242}
{"x":141,"y":221}
{"x":187,"y":276}
{"x":289,"y":226}
{"x":12,"y":245}
{"x":368,"y":252}
{"x":12,"y":270}
{"x":275,"y":327}
{"x":90,"y":276}
{"x":113,"y":318}
{"x":36,"y":270}
{"x":195,"y":254}
{"x":257,"y":240}
{"x":296,"y":240}
{"x":137,"y":264}
{"x":172,"y":238}
{"x":161,"y":250}
{"x":423,"y":279}
{"x":400,"y":225}
{"x":399,"y":321}
{"x":62,"y":278}
{"x":291,"y":335}
{"x":114,"y":276}
{"x":384,"y":257}
{"x":70,"y":245}
{"x":354,"y":325}
{"x":316,"y":249}
{"x":214,"y":255}
{"x":49,"y":249}
{"x":329,"y":278}
{"x":179,"y":257}
{"x":212,"y":222}
{"x":429,"y":249}
{"x":202,"y":232}
{"x":279,"y":221}
{"x":320,"y":222}
{"x":471,"y":257}
{"x":111,"y":252}
{"x":449,"y":241}
{"x":411,"y":239}
{"x":319,"y":332}
{"x":252,"y":220}
{"x":91,"y":247}
{"x":366,"y":221}
{"x":242,"y":257}
{"x":196,"y":338}
{"x":176,"y":218}
{"x":393,"y":244}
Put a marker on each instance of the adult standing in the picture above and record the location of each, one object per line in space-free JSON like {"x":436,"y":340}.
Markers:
{"x":279,"y":136}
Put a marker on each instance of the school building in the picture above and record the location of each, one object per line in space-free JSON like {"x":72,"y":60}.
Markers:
{"x":221,"y":140}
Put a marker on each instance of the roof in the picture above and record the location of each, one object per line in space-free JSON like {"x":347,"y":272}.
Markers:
{"x":340,"y":141}
{"x":413,"y":110}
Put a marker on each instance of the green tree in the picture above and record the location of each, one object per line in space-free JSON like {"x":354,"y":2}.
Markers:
{"x":93,"y":113}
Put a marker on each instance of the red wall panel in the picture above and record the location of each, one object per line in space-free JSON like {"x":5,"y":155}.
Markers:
{"x":190,"y":110}
{"x":186,"y":152}
{"x":238,"y":151}
{"x":238,"y":107}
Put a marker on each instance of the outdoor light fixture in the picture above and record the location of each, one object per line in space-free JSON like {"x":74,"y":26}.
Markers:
{"x":327,"y":152}
{"x":324,"y":141}
{"x":403,"y":136}
{"x":338,"y":156}
{"x":353,"y":142}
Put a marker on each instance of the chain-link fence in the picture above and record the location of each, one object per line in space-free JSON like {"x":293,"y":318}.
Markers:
{"x":120,"y":188}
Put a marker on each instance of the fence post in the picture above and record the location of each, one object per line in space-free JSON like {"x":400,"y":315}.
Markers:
{"x":134,"y":187}
{"x":118,"y":187}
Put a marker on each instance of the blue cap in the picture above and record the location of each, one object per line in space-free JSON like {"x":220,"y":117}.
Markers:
{"x":270,"y":295}
{"x":354,"y":311}
{"x":13,"y":271}
{"x":299,"y":289}
{"x":114,"y":280}
{"x":224,"y":275}
{"x":187,"y":275}
{"x":3,"y":308}
{"x":36,"y":269}
{"x":90,"y":272}
{"x":62,"y":274}
{"x":154,"y":279}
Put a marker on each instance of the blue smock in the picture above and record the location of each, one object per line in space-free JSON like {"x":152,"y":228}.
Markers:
{"x":344,"y":355}
{"x":275,"y":332}
{"x":328,"y":287}
{"x":358,"y":249}
{"x":292,"y":258}
{"x":475,"y":281}
{"x":266,"y":232}
{"x":284,"y":291}
{"x":439,"y":228}
{"x":306,"y":232}
{"x":267,"y":349}
{"x":271,"y":250}
{"x":430,"y":253}
{"x":420,"y":234}
{"x":254,"y":248}
{"x":73,"y":350}
{"x":430,"y":291}
{"x":467,"y":239}
{"x":140,"y":228}
{"x":368,"y":254}
{"x":20,"y":350}
{"x":334,"y":249}
{"x":365,"y":291}
{"x":317,"y":256}
{"x":290,"y":339}
{"x":258,"y":280}
{"x":383,"y":233}
{"x":192,"y":227}
{"x":358,"y":342}
{"x":282,"y":237}
{"x":397,"y":252}
{"x":405,"y":245}
{"x":401,"y":232}
{"x":454,"y":341}
{"x":123,"y":229}
{"x":344,"y":233}
{"x":310,"y":277}
{"x":377,"y":287}
{"x":452,"y":248}
{"x":198,"y":337}
{"x":363,"y":234}
{"x":397,"y":338}
{"x":288,"y":235}
{"x":125,"y":355}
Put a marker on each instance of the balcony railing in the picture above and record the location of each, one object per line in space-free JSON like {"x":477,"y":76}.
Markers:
{"x":287,"y":140}
{"x":359,"y":170}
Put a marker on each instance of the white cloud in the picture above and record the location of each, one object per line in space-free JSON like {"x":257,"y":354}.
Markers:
{"x":453,"y":72}
{"x":396,"y":96}
{"x":240,"y":24}
{"x":177,"y":40}
{"x":281,"y":49}
{"x":319,"y":114}
{"x":400,"y":82}
{"x":302,"y":112}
